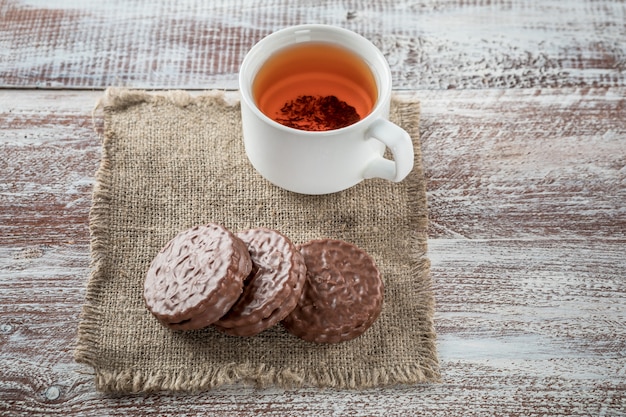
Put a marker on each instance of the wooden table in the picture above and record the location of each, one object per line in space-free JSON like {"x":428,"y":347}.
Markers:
{"x":524,"y":145}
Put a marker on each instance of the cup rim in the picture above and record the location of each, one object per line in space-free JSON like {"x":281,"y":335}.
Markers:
{"x":383,"y":94}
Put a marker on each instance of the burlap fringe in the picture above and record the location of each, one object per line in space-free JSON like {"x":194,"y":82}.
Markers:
{"x":120,"y":98}
{"x":421,"y":264}
{"x":88,"y":329}
{"x":134,"y":380}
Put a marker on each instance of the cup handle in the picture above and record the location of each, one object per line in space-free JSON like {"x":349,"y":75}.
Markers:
{"x":401,"y":146}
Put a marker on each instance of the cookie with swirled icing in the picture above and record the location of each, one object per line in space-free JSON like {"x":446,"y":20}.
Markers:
{"x":197,"y":277}
{"x":342,"y":296}
{"x":272,"y":289}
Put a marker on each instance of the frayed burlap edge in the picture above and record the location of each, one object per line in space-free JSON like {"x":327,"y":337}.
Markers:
{"x":136,"y":380}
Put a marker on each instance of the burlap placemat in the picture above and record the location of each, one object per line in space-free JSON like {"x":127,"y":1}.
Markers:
{"x":171,"y":161}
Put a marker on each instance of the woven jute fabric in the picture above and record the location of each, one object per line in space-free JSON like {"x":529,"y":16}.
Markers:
{"x":171,"y":161}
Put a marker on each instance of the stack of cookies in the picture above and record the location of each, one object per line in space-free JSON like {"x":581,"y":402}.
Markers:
{"x":324,"y":291}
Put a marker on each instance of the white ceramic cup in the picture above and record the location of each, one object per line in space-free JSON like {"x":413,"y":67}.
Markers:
{"x":322,"y":162}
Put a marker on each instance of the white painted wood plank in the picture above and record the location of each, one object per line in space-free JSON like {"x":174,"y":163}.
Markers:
{"x":431,"y":44}
{"x":525,"y":164}
{"x":49,"y":153}
{"x":520,"y":163}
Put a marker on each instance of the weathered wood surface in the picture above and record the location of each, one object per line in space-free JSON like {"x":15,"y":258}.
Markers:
{"x":527,"y":196}
{"x":430,"y":44}
{"x":524,"y":145}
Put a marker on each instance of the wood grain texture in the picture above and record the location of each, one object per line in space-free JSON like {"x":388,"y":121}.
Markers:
{"x":430,"y":44}
{"x":534,"y":163}
{"x":526,"y":196}
{"x":50,"y":153}
{"x":526,"y":165}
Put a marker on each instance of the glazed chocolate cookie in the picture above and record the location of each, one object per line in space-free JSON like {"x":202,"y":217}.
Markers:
{"x":197,"y":277}
{"x":272,"y":289}
{"x":342,"y":296}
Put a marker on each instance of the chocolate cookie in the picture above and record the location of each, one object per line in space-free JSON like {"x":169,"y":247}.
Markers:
{"x":197,"y":277}
{"x":342,"y":296}
{"x":272,"y":289}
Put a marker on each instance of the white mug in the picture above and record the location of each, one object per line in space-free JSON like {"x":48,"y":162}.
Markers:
{"x":322,"y":162}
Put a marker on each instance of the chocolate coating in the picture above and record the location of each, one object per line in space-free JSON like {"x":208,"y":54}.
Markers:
{"x":272,"y":289}
{"x":342,"y":296}
{"x":197,"y":277}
